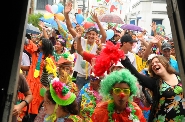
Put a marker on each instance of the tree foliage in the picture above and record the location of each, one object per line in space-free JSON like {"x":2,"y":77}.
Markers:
{"x":34,"y":19}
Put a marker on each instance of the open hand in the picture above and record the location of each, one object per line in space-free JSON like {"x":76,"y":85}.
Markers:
{"x":153,"y":26}
{"x":68,"y":8}
{"x":94,"y":17}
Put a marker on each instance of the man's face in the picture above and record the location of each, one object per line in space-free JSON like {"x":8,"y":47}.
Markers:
{"x":166,"y":53}
{"x":91,"y":36}
{"x":128,"y":45}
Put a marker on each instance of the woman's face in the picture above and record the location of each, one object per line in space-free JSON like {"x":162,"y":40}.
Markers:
{"x":60,"y":112}
{"x":121,"y":94}
{"x":75,"y":45}
{"x":157,"y":67}
{"x":58,"y":46}
{"x":48,"y":106}
{"x":95,"y":83}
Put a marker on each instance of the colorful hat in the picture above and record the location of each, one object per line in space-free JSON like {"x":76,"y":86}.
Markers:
{"x":61,"y":93}
{"x":66,"y":58}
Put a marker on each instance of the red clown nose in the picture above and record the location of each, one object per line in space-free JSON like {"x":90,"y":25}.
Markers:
{"x":122,"y":95}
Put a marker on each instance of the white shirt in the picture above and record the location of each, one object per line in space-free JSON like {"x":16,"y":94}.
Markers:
{"x":25,"y":59}
{"x":132,"y":58}
{"x":78,"y":65}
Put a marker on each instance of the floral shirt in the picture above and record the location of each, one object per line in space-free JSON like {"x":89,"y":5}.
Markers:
{"x":171,"y":106}
{"x":88,"y":98}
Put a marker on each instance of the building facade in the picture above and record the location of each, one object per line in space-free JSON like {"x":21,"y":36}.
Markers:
{"x":144,"y":12}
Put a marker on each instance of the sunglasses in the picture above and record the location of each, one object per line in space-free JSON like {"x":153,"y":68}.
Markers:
{"x":117,"y":91}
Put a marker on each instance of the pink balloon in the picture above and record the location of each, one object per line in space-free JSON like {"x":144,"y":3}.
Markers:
{"x":48,"y":8}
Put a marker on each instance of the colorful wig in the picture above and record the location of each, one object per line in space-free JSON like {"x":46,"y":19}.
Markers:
{"x":122,"y":76}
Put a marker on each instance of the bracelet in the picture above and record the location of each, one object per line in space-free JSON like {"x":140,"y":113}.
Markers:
{"x":26,"y":102}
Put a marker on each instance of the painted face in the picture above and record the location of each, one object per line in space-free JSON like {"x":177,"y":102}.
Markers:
{"x":120,"y":94}
{"x":48,"y":106}
{"x":157,"y":67}
{"x":91,"y":36}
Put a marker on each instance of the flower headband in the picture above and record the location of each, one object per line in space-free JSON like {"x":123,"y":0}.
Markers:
{"x":61,"y":93}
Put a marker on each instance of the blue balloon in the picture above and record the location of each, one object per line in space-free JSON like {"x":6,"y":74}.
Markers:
{"x":60,"y":8}
{"x":110,"y":34}
{"x":73,"y":24}
{"x":79,"y":18}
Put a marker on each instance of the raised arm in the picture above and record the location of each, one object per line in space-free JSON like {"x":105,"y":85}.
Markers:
{"x":145,"y":81}
{"x":64,"y":34}
{"x":94,"y":18}
{"x":68,"y":8}
{"x":79,"y":46}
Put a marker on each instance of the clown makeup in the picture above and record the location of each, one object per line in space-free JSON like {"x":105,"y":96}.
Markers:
{"x":120,"y":94}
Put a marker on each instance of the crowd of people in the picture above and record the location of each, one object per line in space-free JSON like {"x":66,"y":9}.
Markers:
{"x":79,"y":76}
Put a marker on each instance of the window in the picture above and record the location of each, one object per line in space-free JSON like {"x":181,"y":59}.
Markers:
{"x":158,"y":21}
{"x":132,"y":22}
{"x":42,"y":3}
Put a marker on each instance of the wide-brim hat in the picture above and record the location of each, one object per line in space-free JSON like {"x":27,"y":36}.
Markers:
{"x":61,"y":93}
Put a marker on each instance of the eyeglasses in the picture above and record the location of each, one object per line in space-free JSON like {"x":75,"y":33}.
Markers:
{"x":117,"y":91}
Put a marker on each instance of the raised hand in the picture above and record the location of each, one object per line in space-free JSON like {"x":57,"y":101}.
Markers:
{"x":41,"y":24}
{"x":153,"y":26}
{"x":56,"y":19}
{"x":154,"y":40}
{"x":94,"y":17}
{"x":68,"y":8}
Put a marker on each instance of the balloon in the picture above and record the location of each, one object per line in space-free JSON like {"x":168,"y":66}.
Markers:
{"x":60,"y":8}
{"x":79,"y":18}
{"x":54,"y":9}
{"x":88,"y":25}
{"x":48,"y":8}
{"x":73,"y":24}
{"x":48,"y":15}
{"x":110,"y":34}
{"x":60,"y":16}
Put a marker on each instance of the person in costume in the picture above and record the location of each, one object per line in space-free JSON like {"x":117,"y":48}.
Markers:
{"x":81,"y":66}
{"x":65,"y":70}
{"x":59,"y":49}
{"x":39,"y":53}
{"x":166,"y":86}
{"x":67,"y":110}
{"x":118,"y":89}
{"x":89,"y":97}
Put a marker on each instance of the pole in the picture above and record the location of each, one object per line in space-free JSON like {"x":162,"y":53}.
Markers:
{"x":83,"y":9}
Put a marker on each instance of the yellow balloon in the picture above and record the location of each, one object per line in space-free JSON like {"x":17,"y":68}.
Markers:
{"x":48,"y":15}
{"x":60,"y":16}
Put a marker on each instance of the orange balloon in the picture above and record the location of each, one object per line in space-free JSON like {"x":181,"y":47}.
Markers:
{"x":60,"y":16}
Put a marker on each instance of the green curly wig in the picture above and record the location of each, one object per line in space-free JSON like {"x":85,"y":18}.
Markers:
{"x":122,"y":76}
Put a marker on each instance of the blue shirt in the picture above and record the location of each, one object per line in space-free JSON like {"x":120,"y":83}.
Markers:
{"x":174,"y":64}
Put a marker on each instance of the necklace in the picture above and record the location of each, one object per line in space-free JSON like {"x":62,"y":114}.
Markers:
{"x":88,"y":49}
{"x":129,"y":108}
{"x":37,"y":69}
